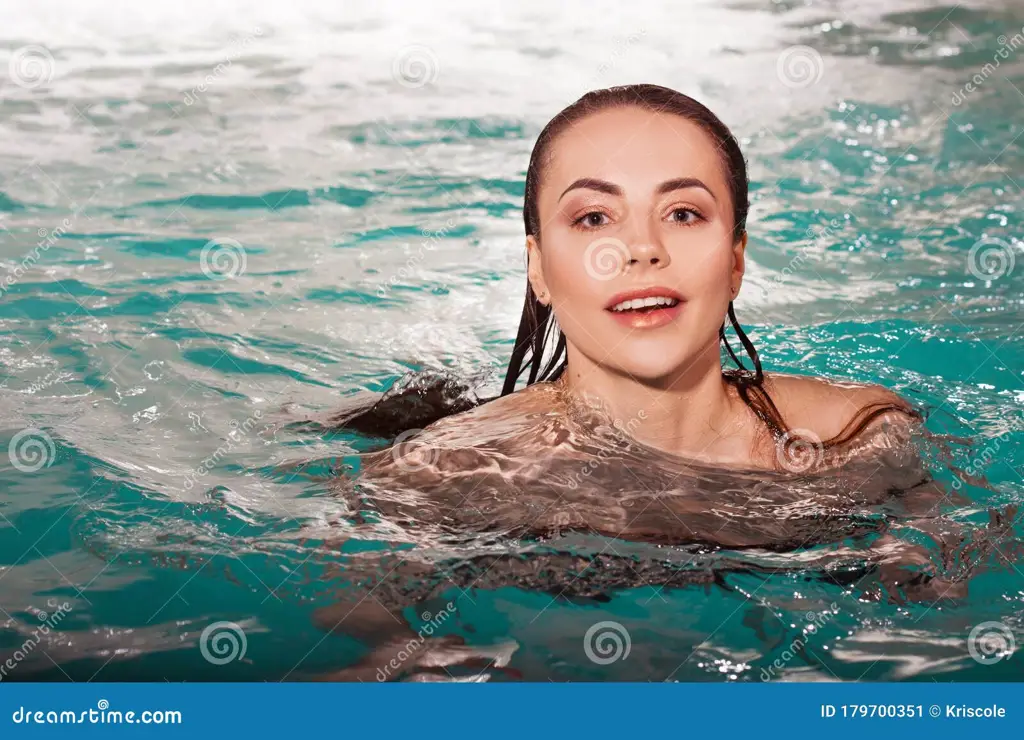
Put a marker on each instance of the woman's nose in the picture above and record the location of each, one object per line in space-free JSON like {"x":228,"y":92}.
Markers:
{"x":648,"y":252}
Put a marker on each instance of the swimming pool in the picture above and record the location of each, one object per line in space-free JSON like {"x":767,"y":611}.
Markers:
{"x":215,"y":223}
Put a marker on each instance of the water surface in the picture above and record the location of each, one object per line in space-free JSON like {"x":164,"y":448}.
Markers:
{"x":216,"y":221}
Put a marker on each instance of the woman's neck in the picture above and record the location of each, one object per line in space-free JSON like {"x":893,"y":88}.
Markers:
{"x":693,"y":414}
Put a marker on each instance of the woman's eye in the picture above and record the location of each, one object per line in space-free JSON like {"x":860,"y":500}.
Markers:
{"x":591,"y":220}
{"x":685,"y":216}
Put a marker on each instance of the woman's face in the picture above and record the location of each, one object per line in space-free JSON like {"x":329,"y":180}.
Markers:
{"x":636,"y":255}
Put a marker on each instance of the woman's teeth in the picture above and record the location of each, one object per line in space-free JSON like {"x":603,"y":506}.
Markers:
{"x":638,"y":303}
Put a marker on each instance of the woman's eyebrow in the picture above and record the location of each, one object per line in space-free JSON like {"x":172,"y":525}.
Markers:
{"x":591,"y":183}
{"x":681,"y":183}
{"x":603,"y":186}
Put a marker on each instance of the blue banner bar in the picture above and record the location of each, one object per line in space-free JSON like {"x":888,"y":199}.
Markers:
{"x":509,"y":710}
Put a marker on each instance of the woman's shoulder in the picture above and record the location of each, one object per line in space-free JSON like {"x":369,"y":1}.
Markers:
{"x":830,"y":408}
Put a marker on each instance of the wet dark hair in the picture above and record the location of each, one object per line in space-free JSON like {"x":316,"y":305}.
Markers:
{"x":539,"y":352}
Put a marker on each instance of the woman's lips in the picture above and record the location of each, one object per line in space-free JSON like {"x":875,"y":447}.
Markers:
{"x":650,"y":318}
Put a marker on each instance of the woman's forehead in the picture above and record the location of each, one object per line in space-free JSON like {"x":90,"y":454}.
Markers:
{"x":632,"y":146}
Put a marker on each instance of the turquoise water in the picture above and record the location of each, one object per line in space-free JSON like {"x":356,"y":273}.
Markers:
{"x":217,"y":222}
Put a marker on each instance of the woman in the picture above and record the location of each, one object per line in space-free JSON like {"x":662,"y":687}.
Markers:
{"x":628,"y":426}
{"x":635,"y":214}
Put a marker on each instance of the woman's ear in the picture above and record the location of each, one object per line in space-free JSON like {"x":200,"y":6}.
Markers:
{"x":738,"y":264}
{"x":535,"y":271}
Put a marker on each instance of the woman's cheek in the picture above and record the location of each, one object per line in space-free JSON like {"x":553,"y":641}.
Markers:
{"x":711,"y":268}
{"x":566,"y":277}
